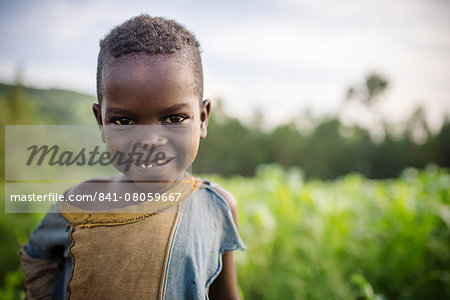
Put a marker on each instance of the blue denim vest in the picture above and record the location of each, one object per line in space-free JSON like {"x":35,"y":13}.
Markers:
{"x":205,"y":230}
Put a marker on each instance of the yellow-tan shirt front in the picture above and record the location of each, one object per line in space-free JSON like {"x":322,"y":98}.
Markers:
{"x":102,"y":271}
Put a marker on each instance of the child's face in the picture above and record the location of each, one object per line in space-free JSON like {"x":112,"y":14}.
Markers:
{"x":152,"y":112}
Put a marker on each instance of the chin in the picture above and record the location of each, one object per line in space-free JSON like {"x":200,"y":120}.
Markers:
{"x":155,"y":179}
{"x":154,"y":187}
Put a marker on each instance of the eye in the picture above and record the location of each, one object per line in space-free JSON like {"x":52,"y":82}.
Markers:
{"x":123,"y":121}
{"x":175,"y":119}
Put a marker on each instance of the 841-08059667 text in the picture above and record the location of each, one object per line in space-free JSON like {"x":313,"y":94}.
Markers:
{"x":102,"y":197}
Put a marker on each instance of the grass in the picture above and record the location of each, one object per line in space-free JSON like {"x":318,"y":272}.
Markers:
{"x":351,"y":238}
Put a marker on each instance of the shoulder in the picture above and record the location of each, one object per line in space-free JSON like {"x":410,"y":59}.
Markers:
{"x":225,"y":195}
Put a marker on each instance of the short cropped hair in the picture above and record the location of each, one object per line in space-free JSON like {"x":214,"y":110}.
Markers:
{"x":150,"y":35}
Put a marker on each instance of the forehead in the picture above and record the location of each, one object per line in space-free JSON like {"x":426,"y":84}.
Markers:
{"x":148,"y":77}
{"x":140,"y":62}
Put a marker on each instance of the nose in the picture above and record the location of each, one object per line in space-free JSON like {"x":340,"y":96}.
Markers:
{"x":152,"y":135}
{"x":154,"y":140}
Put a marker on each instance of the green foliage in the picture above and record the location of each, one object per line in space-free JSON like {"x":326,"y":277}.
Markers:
{"x":14,"y":231}
{"x":351,"y":238}
{"x":38,"y":106}
{"x":329,"y":151}
{"x":12,"y":286}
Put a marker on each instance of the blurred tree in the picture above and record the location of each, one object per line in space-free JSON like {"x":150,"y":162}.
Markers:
{"x":375,"y":86}
{"x":18,"y":108}
{"x":369,"y":92}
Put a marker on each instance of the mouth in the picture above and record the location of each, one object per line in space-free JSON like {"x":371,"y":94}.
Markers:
{"x":153,"y":164}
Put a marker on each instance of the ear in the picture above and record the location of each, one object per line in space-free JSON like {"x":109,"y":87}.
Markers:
{"x":204,"y":117}
{"x":97,"y":109}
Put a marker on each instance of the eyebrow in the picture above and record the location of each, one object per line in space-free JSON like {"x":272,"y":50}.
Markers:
{"x":116,"y":111}
{"x":175,"y":108}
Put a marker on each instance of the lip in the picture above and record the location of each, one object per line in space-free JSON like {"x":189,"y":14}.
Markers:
{"x":153,"y":164}
{"x":158,"y":172}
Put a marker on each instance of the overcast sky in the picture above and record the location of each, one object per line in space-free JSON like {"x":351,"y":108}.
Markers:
{"x":279,"y":56}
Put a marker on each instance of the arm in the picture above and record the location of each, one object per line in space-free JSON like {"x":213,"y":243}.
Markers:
{"x":225,"y":285}
{"x":41,"y":258}
{"x":40,"y":275}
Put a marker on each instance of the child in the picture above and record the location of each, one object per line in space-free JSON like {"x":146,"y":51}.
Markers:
{"x":150,"y":88}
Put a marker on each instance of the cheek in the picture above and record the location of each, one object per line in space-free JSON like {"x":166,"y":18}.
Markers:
{"x":195,"y":142}
{"x":115,"y":142}
{"x":186,"y":146}
{"x":119,"y":148}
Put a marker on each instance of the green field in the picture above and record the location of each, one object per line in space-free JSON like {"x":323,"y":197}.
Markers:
{"x":350,"y":238}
